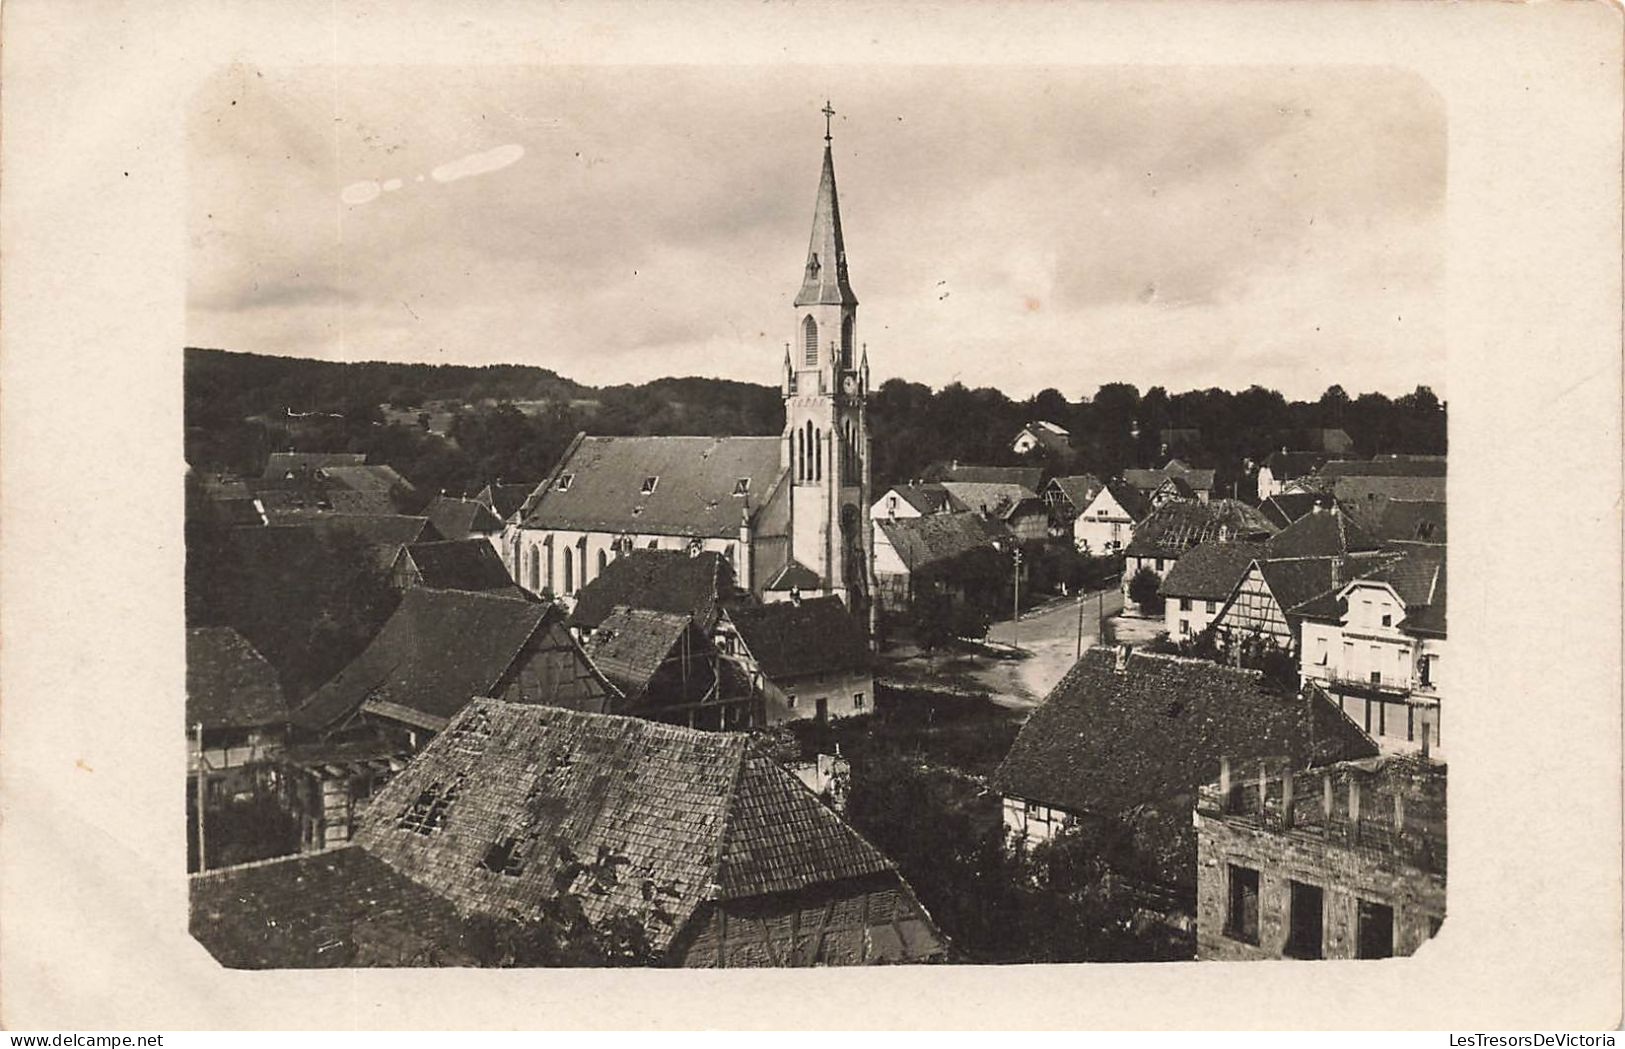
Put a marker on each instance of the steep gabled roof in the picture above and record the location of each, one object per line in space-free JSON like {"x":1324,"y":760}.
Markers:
{"x":1385,"y":467}
{"x":228,"y":683}
{"x":460,"y":564}
{"x":1282,"y":509}
{"x":440,"y":648}
{"x":1180,"y":524}
{"x":1104,"y":742}
{"x":1415,"y":572}
{"x":1210,"y":571}
{"x":659,"y":580}
{"x":377,"y":477}
{"x":1029,"y":477}
{"x":1411,"y":521}
{"x":386,"y":530}
{"x":279,"y":464}
{"x":793,"y":576}
{"x":929,"y":497}
{"x":922,"y":542}
{"x":504,"y":500}
{"x":993,"y":498}
{"x":791,"y":639}
{"x":1284,"y":466}
{"x":460,"y":518}
{"x":600,"y":485}
{"x":1079,"y":489}
{"x":1322,"y":534}
{"x":512,"y":804}
{"x":630,"y":645}
{"x":1134,"y":502}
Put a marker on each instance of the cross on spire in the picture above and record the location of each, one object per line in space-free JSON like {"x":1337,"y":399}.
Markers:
{"x":828,"y":114}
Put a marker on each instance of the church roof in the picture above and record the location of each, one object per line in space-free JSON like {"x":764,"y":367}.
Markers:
{"x":825,"y":280}
{"x":603,"y":484}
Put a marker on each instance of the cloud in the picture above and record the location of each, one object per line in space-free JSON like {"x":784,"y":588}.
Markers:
{"x":478,"y":163}
{"x":361,"y":192}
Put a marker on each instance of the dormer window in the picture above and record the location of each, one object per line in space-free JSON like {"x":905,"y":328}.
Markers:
{"x":742,"y":486}
{"x":649,"y":484}
{"x":564,"y":482}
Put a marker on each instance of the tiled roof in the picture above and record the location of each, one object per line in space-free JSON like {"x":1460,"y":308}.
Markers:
{"x":440,"y":648}
{"x":928,"y":497}
{"x":1326,"y":534}
{"x":660,"y":580}
{"x":461,"y":518}
{"x":1356,"y":491}
{"x":630,"y":645}
{"x":1210,"y":571}
{"x":1286,"y":465}
{"x":1415,"y":571}
{"x":504,"y":499}
{"x":388,"y":530}
{"x":1148,"y":481}
{"x":995,"y":499}
{"x":793,"y":576}
{"x":325,"y":910}
{"x":1133,"y":501}
{"x":279,"y":464}
{"x":1104,"y":742}
{"x":377,"y":477}
{"x":1407,"y":467}
{"x":922,"y":542}
{"x":1295,"y":581}
{"x":670,"y":818}
{"x":1079,"y":489}
{"x":790,"y":639}
{"x":1411,"y":520}
{"x":460,"y":564}
{"x":599,"y":485}
{"x":1180,"y":524}
{"x":228,"y":683}
{"x":1281,"y":510}
{"x":1029,"y":477}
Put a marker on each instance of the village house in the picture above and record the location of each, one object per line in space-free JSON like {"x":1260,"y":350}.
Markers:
{"x":915,"y":500}
{"x":1283,"y":509}
{"x":1162,"y":538}
{"x":1399,"y":521}
{"x":1132,"y":736}
{"x":805,"y":658}
{"x":459,"y":564}
{"x":1053,"y":440}
{"x":458,"y":518}
{"x":1176,"y":480}
{"x":787,"y":512}
{"x":693,"y":584}
{"x":236,"y":714}
{"x":442,"y":647}
{"x":1201,"y":582}
{"x":1015,"y":506}
{"x":1066,"y":498}
{"x":1345,"y":861}
{"x":667,"y":669}
{"x":724,"y":857}
{"x":1365,"y":483}
{"x":1282,"y":467}
{"x":1107,"y":523}
{"x":944,"y":553}
{"x":1376,"y":643}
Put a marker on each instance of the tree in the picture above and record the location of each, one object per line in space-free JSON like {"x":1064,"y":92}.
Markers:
{"x":1145,"y":590}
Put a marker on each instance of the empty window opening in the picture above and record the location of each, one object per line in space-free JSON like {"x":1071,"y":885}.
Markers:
{"x":427,"y":812}
{"x":1376,"y":930}
{"x":1304,"y":937}
{"x":648,"y":487}
{"x":564,"y":482}
{"x":503,"y":857}
{"x":1241,"y":922}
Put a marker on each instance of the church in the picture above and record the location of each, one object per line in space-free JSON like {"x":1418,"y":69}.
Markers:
{"x":788,"y":513}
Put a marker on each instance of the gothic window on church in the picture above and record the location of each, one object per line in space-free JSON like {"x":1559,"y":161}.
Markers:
{"x":818,"y":455}
{"x":569,"y":572}
{"x":846,"y":342}
{"x":603,"y":561}
{"x":809,"y":336}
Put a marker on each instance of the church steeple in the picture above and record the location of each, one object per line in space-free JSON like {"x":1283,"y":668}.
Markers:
{"x":824,"y":281}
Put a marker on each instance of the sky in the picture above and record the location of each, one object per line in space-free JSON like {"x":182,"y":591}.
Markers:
{"x":1017,"y":227}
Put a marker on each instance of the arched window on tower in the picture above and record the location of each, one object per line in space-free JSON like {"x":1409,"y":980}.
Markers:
{"x":798,"y":451}
{"x":809,"y":341}
{"x":846,"y":342}
{"x":569,"y":573}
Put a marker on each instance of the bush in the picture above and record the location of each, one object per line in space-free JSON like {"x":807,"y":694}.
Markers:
{"x":1145,"y":590}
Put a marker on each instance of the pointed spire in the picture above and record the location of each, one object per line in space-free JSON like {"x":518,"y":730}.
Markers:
{"x":824,"y":280}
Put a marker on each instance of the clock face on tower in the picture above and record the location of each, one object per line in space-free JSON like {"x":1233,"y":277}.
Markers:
{"x":849,"y":385}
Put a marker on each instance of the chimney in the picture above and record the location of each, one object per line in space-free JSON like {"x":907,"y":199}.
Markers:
{"x":1122,"y":658}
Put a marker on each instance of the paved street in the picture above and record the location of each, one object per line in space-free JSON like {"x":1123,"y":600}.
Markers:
{"x":1050,"y":637}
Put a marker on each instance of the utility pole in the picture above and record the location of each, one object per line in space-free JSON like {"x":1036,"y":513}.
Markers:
{"x":202,"y":792}
{"x":1015,"y":625}
{"x":1080,"y":624}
